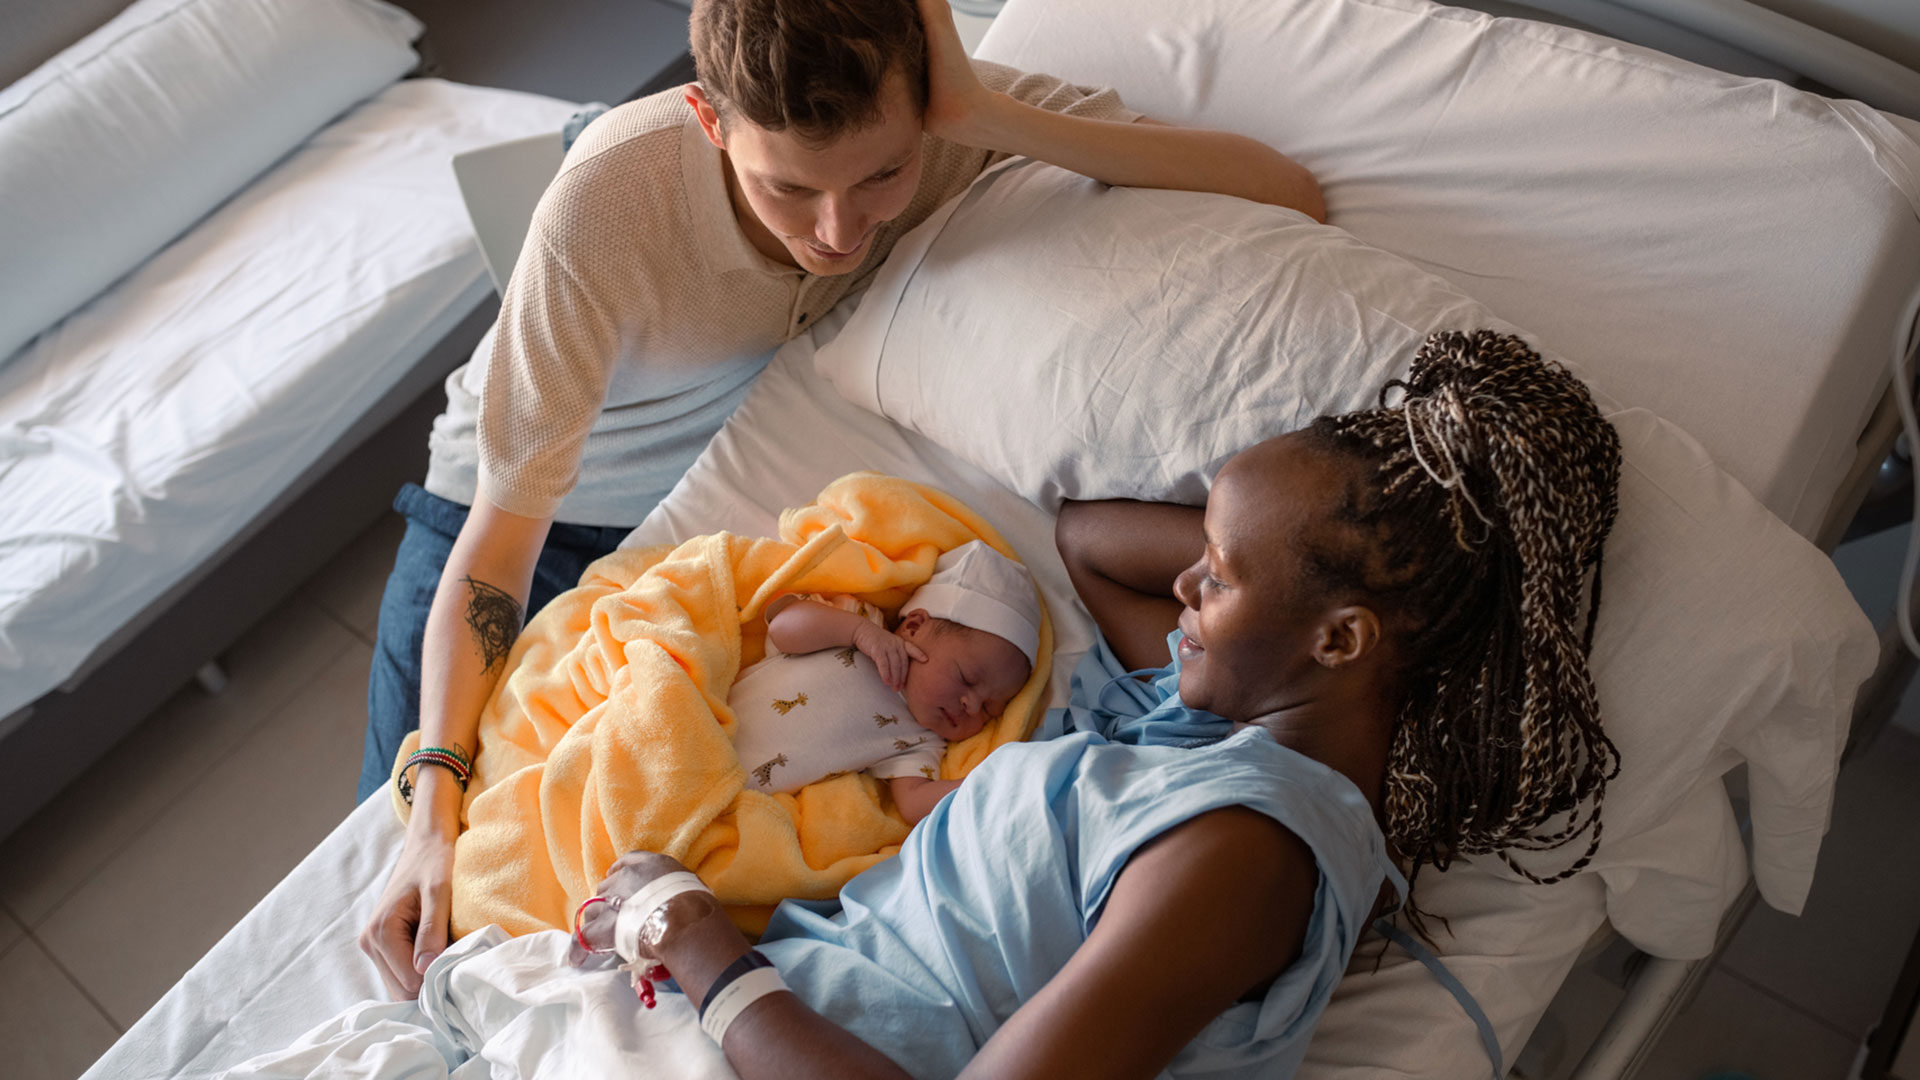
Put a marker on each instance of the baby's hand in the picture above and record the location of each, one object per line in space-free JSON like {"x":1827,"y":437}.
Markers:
{"x":890,"y":652}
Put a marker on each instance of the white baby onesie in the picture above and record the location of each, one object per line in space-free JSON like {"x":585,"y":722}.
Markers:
{"x":803,"y":718}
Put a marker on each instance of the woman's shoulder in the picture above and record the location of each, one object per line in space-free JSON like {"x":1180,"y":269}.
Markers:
{"x":1112,"y":797}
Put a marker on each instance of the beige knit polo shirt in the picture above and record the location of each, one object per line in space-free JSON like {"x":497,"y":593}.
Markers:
{"x":639,"y":313}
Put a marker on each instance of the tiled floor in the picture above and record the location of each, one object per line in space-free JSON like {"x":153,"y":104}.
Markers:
{"x":110,"y":893}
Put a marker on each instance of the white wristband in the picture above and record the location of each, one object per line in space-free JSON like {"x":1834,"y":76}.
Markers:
{"x":733,"y":999}
{"x":639,"y":907}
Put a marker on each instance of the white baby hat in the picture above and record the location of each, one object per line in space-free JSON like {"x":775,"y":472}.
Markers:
{"x":978,"y":587}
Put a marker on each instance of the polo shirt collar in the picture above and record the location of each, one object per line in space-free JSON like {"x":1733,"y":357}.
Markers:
{"x":717,"y":233}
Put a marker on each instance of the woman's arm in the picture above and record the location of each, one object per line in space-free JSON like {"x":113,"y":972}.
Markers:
{"x":1122,"y":557}
{"x":775,"y":1038}
{"x":1213,"y":909}
{"x":1148,"y":155}
{"x":475,"y":617}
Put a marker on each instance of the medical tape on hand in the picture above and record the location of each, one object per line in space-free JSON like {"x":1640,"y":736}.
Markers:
{"x":731,"y":1000}
{"x":639,"y":907}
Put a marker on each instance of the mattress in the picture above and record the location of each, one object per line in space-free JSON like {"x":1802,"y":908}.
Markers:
{"x":142,"y":433}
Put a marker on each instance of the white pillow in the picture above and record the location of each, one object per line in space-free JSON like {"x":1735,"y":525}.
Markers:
{"x":1675,"y":228}
{"x":1078,"y":341}
{"x":118,"y":144}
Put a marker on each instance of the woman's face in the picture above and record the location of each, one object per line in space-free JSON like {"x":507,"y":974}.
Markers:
{"x":1254,"y":634}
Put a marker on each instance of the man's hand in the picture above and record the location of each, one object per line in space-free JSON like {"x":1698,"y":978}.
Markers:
{"x":409,"y":924}
{"x":955,"y":97}
{"x":891,"y":653}
{"x":1147,"y":155}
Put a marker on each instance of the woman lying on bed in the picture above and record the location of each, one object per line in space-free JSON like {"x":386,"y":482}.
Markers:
{"x":1377,"y":643}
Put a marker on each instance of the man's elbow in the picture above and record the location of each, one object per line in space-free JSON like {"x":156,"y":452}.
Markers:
{"x":1284,"y":181}
{"x":1296,"y":189}
{"x":1308,"y":199}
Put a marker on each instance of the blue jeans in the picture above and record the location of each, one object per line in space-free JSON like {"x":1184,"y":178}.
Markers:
{"x":393,"y":689}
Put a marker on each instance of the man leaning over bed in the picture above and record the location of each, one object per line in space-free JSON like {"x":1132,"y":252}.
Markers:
{"x":687,"y":235}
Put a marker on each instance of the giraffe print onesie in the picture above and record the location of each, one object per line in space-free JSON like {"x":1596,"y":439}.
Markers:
{"x":803,"y":718}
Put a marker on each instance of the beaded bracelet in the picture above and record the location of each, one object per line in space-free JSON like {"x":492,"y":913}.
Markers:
{"x":453,"y":759}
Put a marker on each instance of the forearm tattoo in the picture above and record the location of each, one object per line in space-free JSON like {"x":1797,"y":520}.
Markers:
{"x":495,"y":619}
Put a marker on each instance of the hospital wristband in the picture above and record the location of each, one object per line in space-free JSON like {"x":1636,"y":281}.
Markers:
{"x":636,"y":910}
{"x":744,"y":982}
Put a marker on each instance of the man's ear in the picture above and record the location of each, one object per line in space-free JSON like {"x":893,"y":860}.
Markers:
{"x":704,"y":111}
{"x":1346,"y":634}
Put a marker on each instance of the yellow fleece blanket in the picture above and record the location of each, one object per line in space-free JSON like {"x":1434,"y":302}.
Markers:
{"x":610,"y":730}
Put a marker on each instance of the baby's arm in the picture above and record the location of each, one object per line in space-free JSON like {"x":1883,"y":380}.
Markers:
{"x":916,"y":796}
{"x":797,"y":625}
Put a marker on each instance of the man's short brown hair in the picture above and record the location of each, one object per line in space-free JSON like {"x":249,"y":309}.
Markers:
{"x":813,"y":66}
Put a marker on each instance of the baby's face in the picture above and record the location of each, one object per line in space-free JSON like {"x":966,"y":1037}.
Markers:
{"x":967,"y":679}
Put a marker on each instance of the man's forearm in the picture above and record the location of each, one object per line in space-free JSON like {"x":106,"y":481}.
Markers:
{"x":476,"y":616}
{"x":1147,"y":154}
{"x":470,"y":630}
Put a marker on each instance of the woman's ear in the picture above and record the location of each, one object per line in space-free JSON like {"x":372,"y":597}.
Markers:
{"x":1347,"y":634}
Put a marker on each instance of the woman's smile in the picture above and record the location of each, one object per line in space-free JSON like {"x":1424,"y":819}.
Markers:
{"x":1189,"y":646}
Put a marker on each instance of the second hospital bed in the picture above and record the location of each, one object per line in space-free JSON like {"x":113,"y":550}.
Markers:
{"x":1740,"y":254}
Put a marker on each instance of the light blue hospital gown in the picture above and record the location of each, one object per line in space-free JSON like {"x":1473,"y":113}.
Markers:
{"x":926,"y":955}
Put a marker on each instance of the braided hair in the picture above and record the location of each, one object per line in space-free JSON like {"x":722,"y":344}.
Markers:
{"x":1494,"y":482}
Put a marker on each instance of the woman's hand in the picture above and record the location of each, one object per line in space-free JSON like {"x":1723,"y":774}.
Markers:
{"x":628,"y":875}
{"x":409,"y":924}
{"x":955,"y":97}
{"x":891,"y":653}
{"x":775,"y":1037}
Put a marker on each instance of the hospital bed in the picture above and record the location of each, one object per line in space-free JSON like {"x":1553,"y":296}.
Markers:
{"x":1741,"y":254}
{"x":219,"y":334}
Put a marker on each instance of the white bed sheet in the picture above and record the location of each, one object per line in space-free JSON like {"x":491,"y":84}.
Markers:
{"x":143,"y":432}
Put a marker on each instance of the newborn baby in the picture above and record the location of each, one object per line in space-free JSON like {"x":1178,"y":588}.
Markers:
{"x":840,"y":692}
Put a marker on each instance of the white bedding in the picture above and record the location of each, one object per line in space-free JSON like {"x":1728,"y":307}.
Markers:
{"x":143,"y":432}
{"x":1765,"y":267}
{"x":1730,"y":252}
